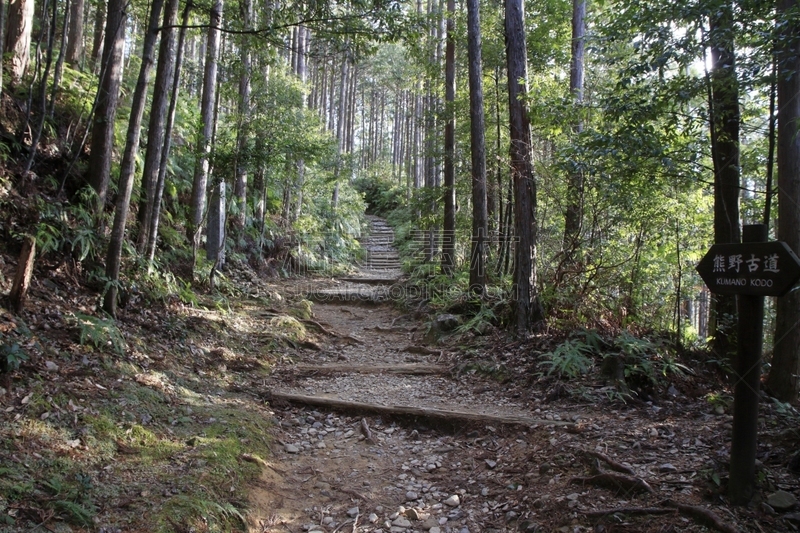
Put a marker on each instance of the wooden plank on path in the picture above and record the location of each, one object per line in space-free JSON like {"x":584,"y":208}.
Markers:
{"x":442,"y":415}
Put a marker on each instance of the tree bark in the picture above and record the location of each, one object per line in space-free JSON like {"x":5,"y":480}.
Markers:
{"x":98,"y":34}
{"x":127,"y":171}
{"x":22,"y":278}
{"x":175,"y":78}
{"x":528,"y":311}
{"x":480,"y":226}
{"x":574,"y":213}
{"x":783,"y":376}
{"x":449,"y":226}
{"x":18,"y":29}
{"x":102,"y":144}
{"x":155,"y":128}
{"x":75,"y":33}
{"x":202,"y":164}
{"x":242,"y":132}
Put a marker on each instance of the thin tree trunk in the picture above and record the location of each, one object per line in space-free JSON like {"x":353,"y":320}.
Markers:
{"x":449,"y":223}
{"x":127,"y":171}
{"x":480,"y":227}
{"x":102,"y":146}
{"x":155,"y":128}
{"x":574,"y":213}
{"x":242,"y":132}
{"x":202,"y":165}
{"x":60,"y":60}
{"x":48,"y":30}
{"x":98,"y":34}
{"x":175,"y":78}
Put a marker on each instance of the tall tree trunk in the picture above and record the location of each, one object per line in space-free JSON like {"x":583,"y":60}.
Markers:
{"x":3,"y":17}
{"x":98,"y":34}
{"x":75,"y":33}
{"x":480,"y":226}
{"x":201,"y":168}
{"x":725,"y":153}
{"x":48,"y":32}
{"x":127,"y":170}
{"x":102,"y":145}
{"x":173,"y":76}
{"x":783,"y":379}
{"x":340,"y":121}
{"x":59,"y":68}
{"x":528,"y":311}
{"x":242,"y":132}
{"x":574,"y":213}
{"x":155,"y":126}
{"x":19,"y":25}
{"x":449,"y":223}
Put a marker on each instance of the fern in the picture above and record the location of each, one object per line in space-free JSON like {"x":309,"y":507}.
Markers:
{"x":570,"y":359}
{"x":99,"y":332}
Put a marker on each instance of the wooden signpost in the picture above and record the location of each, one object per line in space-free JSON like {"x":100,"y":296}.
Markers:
{"x":750,"y":270}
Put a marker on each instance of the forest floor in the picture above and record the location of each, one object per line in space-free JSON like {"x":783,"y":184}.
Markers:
{"x":280,"y":415}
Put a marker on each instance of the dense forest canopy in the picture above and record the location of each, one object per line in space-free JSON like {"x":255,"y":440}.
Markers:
{"x":629,"y":136}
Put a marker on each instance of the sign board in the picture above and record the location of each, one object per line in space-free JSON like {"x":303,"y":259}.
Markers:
{"x":754,"y":268}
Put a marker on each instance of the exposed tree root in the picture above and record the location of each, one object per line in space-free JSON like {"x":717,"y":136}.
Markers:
{"x":616,"y":482}
{"x":421,"y":350}
{"x":631,"y":511}
{"x":702,"y":516}
{"x":614,"y":465}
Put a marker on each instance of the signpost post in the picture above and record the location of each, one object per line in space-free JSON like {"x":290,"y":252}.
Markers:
{"x":750,"y":270}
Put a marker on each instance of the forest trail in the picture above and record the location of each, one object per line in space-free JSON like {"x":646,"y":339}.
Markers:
{"x":379,"y":427}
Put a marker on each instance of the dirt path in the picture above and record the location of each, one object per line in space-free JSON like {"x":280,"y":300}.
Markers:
{"x":379,"y":431}
{"x":376,"y":433}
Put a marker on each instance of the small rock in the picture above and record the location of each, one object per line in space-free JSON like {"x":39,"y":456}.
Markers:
{"x":672,"y":391}
{"x":719,"y":409}
{"x":453,"y":501}
{"x":766,"y":509}
{"x":373,"y":518}
{"x":352,"y":512}
{"x":544,"y":468}
{"x":511,"y":515}
{"x":291,"y":448}
{"x":429,"y":523}
{"x":653,"y":432}
{"x":51,"y":366}
{"x":411,"y":495}
{"x":321,"y":445}
{"x":435,"y":529}
{"x":446,"y":322}
{"x":667,"y":467}
{"x":490,"y":463}
{"x":793,"y":517}
{"x":401,"y":521}
{"x":781,"y":500}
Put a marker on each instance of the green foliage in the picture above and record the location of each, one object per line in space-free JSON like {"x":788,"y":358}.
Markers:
{"x":645,"y":359}
{"x":70,"y":227}
{"x":480,"y":322}
{"x":99,"y":332}
{"x":570,"y":359}
{"x":11,"y":355}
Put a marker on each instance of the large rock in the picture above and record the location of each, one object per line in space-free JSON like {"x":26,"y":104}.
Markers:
{"x":782,"y":500}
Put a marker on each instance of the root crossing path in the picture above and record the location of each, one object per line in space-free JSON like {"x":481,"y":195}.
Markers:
{"x":378,"y":431}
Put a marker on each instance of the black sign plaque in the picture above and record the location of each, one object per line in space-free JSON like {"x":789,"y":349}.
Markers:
{"x":753,"y":268}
